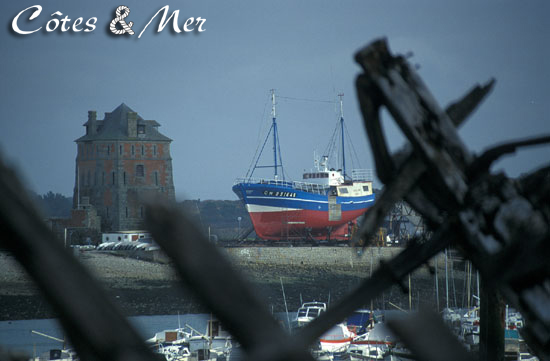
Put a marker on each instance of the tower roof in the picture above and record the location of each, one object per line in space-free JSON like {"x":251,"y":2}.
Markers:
{"x":115,"y":127}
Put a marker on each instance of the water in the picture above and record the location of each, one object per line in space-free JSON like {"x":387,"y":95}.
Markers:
{"x":17,"y":336}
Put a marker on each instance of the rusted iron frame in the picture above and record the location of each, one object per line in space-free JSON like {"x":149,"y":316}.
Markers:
{"x":94,"y":326}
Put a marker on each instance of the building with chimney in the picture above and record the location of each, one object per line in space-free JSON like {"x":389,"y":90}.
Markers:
{"x":122,"y":162}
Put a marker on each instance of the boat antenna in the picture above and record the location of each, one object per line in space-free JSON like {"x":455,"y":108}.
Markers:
{"x":274,"y":118}
{"x":341,"y":96}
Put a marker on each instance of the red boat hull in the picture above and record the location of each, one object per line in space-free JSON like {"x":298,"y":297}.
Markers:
{"x":303,"y":224}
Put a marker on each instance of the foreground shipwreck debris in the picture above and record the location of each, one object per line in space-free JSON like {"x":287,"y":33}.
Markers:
{"x":501,"y":225}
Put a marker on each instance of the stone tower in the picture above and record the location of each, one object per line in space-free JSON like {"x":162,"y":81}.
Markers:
{"x":122,"y":161}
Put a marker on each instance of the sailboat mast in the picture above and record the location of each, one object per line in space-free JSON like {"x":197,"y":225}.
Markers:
{"x":274,"y":118}
{"x":341,"y":96}
{"x":446,"y":281}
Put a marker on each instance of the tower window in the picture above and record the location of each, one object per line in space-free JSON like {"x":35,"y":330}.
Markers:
{"x":133,"y":150}
{"x":124,"y":177}
{"x":156,"y":178}
{"x":140,"y":171}
{"x":126,"y":212}
{"x":108,"y":149}
{"x":120,"y":149}
{"x":142,"y":150}
{"x":113,"y":174}
{"x":154,"y":149}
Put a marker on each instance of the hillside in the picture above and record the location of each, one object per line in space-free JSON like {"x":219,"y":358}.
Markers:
{"x":220,"y":216}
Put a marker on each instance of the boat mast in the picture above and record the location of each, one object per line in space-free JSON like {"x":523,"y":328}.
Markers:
{"x":276,"y":147}
{"x":446,"y":281}
{"x":274,"y":117}
{"x":341,"y":96}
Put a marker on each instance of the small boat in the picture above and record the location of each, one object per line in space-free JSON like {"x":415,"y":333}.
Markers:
{"x":379,"y":343}
{"x":469,"y":329}
{"x":55,"y":354}
{"x":337,"y":339}
{"x":173,"y":336}
{"x":361,"y":321}
{"x":308,"y":312}
{"x":526,"y":356}
{"x":174,"y":352}
{"x":372,"y":345}
{"x":181,"y":345}
{"x":370,"y":352}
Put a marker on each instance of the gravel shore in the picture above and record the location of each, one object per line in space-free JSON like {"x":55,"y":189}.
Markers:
{"x":140,"y":287}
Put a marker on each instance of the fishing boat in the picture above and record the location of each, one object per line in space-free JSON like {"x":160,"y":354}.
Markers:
{"x":324,"y":205}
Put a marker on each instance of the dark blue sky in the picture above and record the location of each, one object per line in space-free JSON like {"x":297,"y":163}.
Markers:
{"x":209,"y":91}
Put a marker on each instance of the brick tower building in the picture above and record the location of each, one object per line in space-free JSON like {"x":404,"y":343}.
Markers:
{"x":122,"y":161}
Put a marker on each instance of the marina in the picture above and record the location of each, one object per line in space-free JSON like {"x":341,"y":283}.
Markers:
{"x":363,"y":336}
{"x":17,"y":335}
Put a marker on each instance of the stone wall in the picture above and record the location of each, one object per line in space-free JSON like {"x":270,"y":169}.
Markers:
{"x":314,"y":256}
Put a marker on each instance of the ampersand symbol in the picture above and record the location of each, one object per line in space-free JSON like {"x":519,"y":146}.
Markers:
{"x":126,"y":28}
